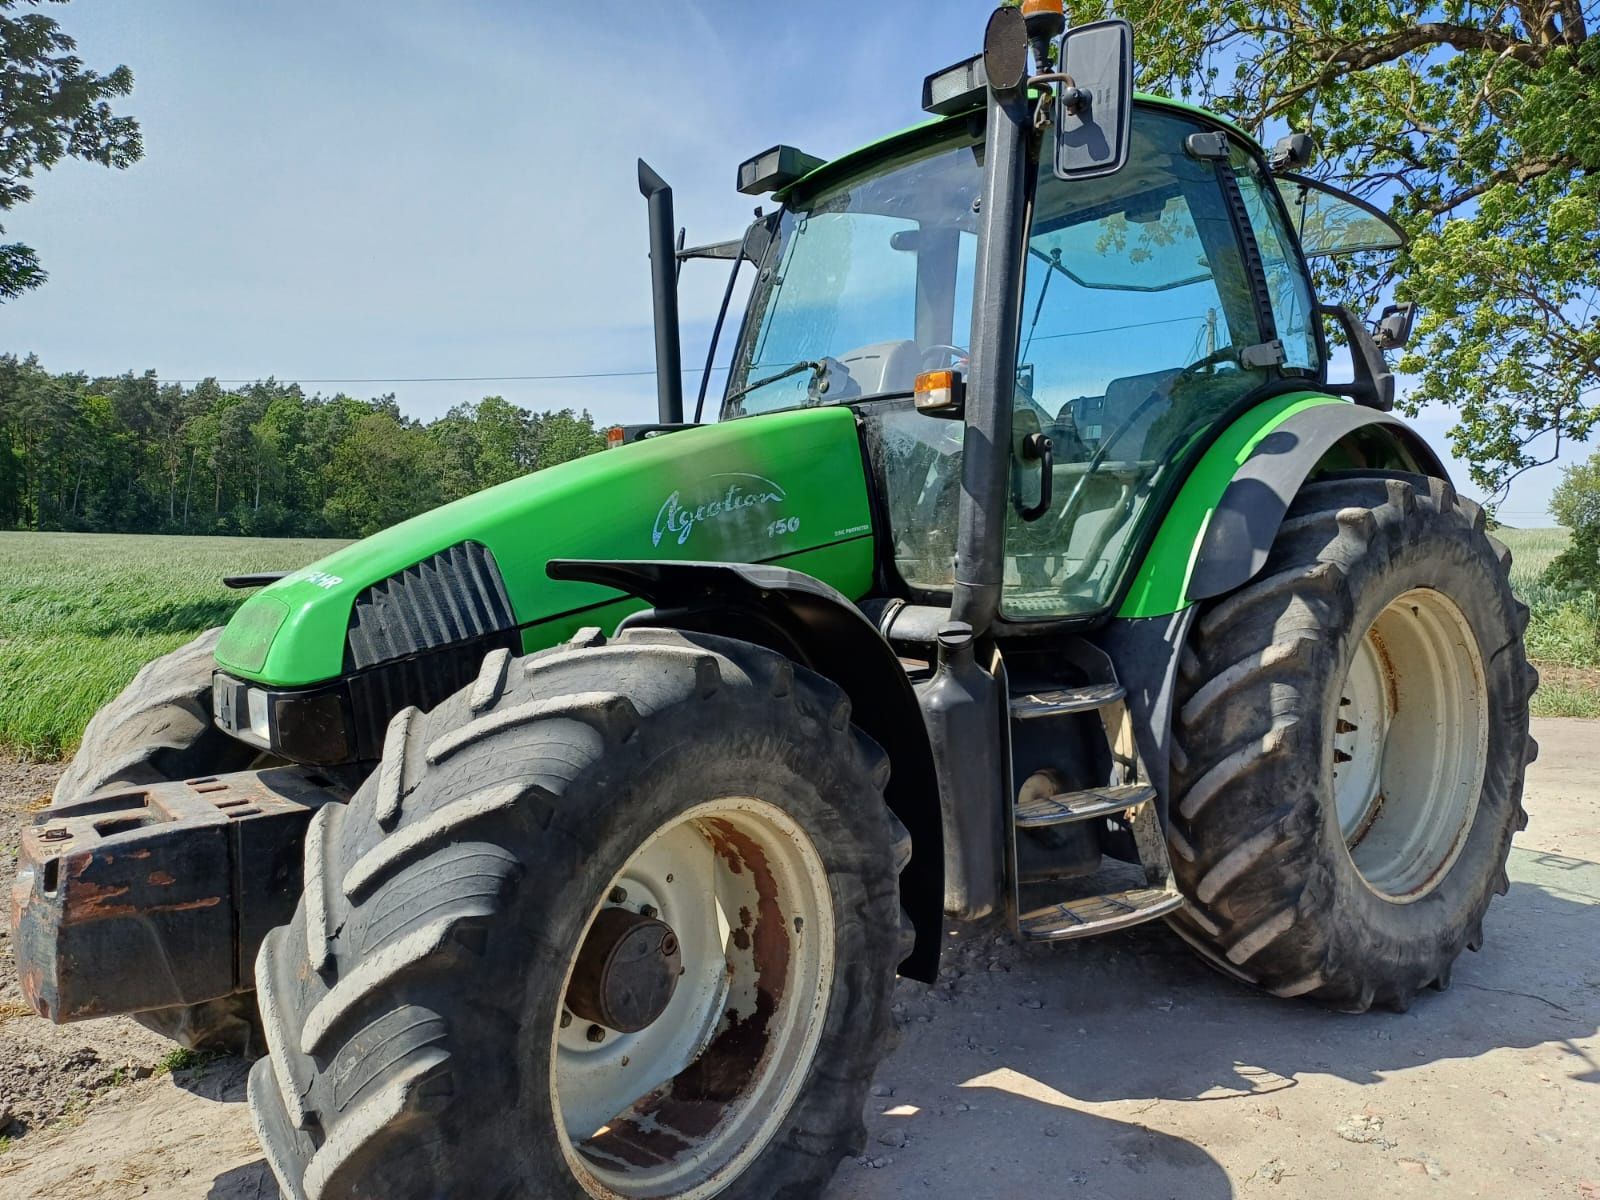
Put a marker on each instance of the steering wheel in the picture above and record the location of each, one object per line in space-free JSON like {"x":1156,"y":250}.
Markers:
{"x":944,"y":350}
{"x":1222,"y":354}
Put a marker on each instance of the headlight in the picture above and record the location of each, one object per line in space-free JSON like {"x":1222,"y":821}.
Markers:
{"x":256,"y":707}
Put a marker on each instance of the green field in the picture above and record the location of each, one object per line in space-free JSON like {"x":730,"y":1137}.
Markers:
{"x":1564,"y":635}
{"x":80,"y":613}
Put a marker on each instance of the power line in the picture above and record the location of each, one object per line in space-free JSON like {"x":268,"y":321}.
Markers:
{"x":574,"y":375}
{"x":444,"y":378}
{"x":1050,"y":337}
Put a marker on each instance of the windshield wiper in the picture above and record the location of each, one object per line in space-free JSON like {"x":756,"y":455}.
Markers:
{"x":820,"y":369}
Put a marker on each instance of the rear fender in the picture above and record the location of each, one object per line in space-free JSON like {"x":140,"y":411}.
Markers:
{"x":1240,"y":534}
{"x":808,"y":621}
{"x":1216,"y":535}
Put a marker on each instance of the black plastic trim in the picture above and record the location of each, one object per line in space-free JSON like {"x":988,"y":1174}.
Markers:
{"x":1255,"y":267}
{"x":1240,"y":533}
{"x":1144,"y":651}
{"x":450,"y":597}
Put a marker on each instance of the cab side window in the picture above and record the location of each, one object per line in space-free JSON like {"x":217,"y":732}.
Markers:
{"x":1136,"y":309}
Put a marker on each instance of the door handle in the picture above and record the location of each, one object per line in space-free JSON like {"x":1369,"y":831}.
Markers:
{"x":1037,"y":445}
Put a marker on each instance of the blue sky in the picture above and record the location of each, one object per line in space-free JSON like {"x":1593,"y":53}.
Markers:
{"x":399,"y":190}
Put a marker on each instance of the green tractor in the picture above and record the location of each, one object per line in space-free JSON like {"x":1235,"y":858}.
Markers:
{"x":568,"y":840}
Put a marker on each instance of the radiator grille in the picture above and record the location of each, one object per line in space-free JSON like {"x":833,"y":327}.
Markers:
{"x":454,"y":596}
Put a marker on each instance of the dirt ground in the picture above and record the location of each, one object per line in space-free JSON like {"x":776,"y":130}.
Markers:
{"x":1113,"y":1068}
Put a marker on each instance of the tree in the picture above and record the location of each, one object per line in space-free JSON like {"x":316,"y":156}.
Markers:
{"x":1478,"y":126}
{"x":482,"y":444}
{"x":383,"y":472}
{"x":562,"y":436}
{"x":1576,"y":504}
{"x":132,"y":454}
{"x":51,"y":108}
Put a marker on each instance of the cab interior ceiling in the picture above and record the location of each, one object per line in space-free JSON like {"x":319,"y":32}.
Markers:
{"x":926,"y":192}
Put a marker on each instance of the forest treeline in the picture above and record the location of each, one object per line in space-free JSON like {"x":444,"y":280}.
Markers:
{"x":132,"y":454}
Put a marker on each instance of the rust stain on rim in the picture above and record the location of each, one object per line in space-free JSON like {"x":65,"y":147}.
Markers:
{"x":665,"y":1124}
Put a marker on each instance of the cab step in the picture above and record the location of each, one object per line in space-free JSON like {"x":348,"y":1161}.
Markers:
{"x":1087,"y":805}
{"x":1061,"y":702}
{"x":1093,"y":915}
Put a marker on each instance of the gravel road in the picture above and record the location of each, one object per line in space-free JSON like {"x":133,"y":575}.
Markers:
{"x":1108,"y":1069}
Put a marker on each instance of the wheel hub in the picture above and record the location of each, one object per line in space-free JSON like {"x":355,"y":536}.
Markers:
{"x":1410,"y":745}
{"x":627,"y":971}
{"x":679,"y":1107}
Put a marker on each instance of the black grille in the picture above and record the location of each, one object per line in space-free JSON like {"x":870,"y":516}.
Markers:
{"x":454,"y":596}
{"x":376,"y":695}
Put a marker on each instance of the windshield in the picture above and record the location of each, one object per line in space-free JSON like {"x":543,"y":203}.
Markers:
{"x":864,"y":281}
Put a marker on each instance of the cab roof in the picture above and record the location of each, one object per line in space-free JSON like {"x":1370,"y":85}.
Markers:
{"x":936,"y":128}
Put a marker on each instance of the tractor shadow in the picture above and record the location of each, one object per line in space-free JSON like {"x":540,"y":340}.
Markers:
{"x":1535,"y":982}
{"x":1147,"y":1019}
{"x":989,"y":1091}
{"x":1035,"y":1067}
{"x":253,"y":1181}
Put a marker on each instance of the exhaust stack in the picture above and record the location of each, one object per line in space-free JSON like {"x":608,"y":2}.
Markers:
{"x":664,"y":293}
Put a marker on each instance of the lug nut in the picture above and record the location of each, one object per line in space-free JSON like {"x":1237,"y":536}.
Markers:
{"x":566,"y":1018}
{"x":596,"y":1034}
{"x":619,"y":895}
{"x":647,"y":910}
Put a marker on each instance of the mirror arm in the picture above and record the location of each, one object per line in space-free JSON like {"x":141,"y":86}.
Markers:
{"x":1072,"y":96}
{"x":1373,"y":385}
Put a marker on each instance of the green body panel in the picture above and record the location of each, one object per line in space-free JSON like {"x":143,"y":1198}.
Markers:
{"x":1162,"y":583}
{"x":788,"y":486}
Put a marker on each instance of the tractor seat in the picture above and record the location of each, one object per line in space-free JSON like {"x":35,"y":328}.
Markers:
{"x":1098,"y":417}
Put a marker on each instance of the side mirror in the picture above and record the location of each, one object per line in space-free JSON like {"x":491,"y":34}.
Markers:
{"x":1393,"y":329}
{"x":1292,"y":152}
{"x":1094,"y":109}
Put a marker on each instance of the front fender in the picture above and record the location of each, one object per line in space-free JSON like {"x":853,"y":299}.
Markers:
{"x":815,"y":625}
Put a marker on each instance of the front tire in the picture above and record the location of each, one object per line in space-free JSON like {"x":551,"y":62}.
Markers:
{"x":1351,"y":736}
{"x":159,"y":729}
{"x":429,"y":1033}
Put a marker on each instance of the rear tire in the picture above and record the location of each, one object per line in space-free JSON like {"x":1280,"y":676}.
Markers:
{"x":158,"y":729}
{"x":1351,"y":738}
{"x":414,"y":1005}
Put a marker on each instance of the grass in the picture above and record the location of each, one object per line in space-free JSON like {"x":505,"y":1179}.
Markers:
{"x":1564,"y":632}
{"x":80,"y":613}
{"x":182,"y":1059}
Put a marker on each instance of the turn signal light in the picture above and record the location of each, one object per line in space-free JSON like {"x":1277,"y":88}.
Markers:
{"x":615,"y":437}
{"x":940,"y":393}
{"x":1045,"y":20}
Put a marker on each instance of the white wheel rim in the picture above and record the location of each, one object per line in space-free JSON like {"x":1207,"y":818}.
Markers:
{"x":745,"y":891}
{"x":1410,"y":742}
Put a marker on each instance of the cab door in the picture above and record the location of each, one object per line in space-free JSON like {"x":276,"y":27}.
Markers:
{"x":1144,"y":322}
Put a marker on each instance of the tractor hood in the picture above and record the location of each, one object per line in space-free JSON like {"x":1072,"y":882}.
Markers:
{"x":789,"y":486}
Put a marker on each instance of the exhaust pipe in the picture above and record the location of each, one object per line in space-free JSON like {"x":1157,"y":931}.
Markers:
{"x":664,"y":293}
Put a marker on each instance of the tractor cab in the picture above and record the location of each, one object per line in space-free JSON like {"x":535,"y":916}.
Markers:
{"x":1158,"y":302}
